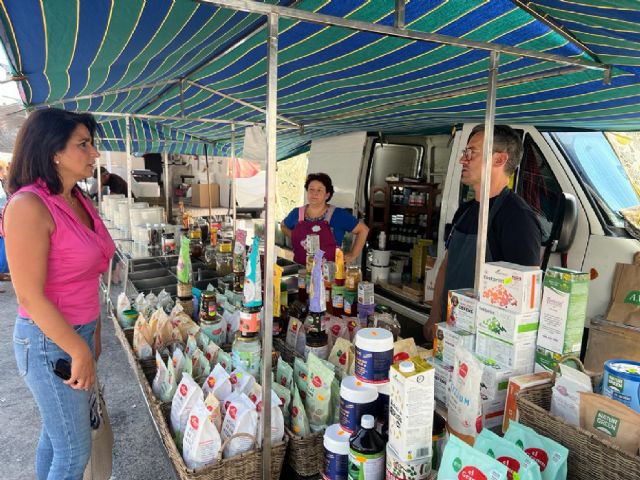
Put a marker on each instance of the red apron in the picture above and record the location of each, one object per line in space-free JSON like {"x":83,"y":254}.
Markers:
{"x":321,"y":228}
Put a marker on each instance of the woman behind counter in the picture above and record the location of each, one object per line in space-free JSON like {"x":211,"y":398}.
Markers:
{"x":57,"y":247}
{"x":328,"y":222}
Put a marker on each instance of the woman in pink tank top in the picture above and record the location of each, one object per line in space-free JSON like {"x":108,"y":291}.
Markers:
{"x":57,"y":247}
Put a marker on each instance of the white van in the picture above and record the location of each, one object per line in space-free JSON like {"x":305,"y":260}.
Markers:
{"x":580,"y":163}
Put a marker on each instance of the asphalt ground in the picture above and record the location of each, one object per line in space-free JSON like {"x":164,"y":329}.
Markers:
{"x":138,"y":452}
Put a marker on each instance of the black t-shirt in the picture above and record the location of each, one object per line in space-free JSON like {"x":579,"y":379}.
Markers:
{"x":116,"y":184}
{"x":513,"y":236}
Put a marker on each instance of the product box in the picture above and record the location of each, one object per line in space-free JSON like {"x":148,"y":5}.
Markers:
{"x":518,"y":384}
{"x":442,"y":378}
{"x":461,"y":309}
{"x":411,"y":409}
{"x":447,"y":339}
{"x":495,"y":378}
{"x":504,"y":324}
{"x":493,"y":411}
{"x":546,"y":360}
{"x":563,"y":310}
{"x":200,"y":195}
{"x":510,"y":286}
{"x":519,"y":356}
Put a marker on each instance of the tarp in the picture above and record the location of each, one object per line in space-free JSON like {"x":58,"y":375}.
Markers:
{"x":128,"y":55}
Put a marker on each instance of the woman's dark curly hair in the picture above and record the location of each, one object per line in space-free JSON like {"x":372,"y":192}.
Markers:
{"x":45,"y":133}
{"x":324,"y":179}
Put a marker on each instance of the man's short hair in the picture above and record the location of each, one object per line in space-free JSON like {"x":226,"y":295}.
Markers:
{"x":103,"y":171}
{"x":505,"y":139}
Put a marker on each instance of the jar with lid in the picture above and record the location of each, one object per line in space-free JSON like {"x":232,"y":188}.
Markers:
{"x":195,"y":248}
{"x":224,"y":263}
{"x":210,"y":256}
{"x":353,"y":277}
{"x":169,"y":243}
{"x":246,"y":353}
{"x":317,"y":343}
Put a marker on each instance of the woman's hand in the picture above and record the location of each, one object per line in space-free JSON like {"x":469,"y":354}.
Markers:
{"x":83,"y":370}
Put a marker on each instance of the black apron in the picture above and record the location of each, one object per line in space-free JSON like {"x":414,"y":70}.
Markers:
{"x":461,"y":260}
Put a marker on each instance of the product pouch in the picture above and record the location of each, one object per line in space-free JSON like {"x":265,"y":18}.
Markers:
{"x":219,"y":383}
{"x":202,"y":340}
{"x":211,"y":353}
{"x":242,"y":381}
{"x":300,"y":376}
{"x":178,"y":363}
{"x":164,"y":383}
{"x":342,"y":356}
{"x":215,"y":412}
{"x":241,"y":417}
{"x":142,"y":339}
{"x":284,"y":373}
{"x":463,"y":396}
{"x":299,"y":421}
{"x":192,"y":345}
{"x":508,"y":454}
{"x":318,"y":403}
{"x":404,"y":350}
{"x":164,"y":300}
{"x":612,"y":420}
{"x":252,"y":290}
{"x":187,"y":393}
{"x":462,"y":462}
{"x":202,"y":441}
{"x":224,"y":359}
{"x":334,"y":415}
{"x":550,"y":455}
{"x":183,"y":269}
{"x":187,"y":366}
{"x":284,"y":394}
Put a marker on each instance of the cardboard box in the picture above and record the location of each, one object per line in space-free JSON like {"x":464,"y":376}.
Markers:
{"x":493,"y":411}
{"x":411,"y":409}
{"x":519,"y":356}
{"x":447,"y":339}
{"x":563,"y":310}
{"x":495,"y":378}
{"x":461,"y":309}
{"x":200,"y":195}
{"x":510,"y":286}
{"x":504,"y":324}
{"x":516,"y":385}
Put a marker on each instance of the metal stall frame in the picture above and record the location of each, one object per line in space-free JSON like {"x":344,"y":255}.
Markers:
{"x":398,"y":30}
{"x":273,"y":13}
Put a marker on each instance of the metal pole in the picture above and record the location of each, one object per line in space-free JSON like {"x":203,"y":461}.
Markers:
{"x":398,"y":21}
{"x":167,"y":186}
{"x":233,"y":177}
{"x":206,"y":162}
{"x":99,"y":179}
{"x":485,"y":182}
{"x":269,"y":241}
{"x":129,"y":167}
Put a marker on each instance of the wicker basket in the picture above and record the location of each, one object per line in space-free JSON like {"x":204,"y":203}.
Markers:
{"x":590,"y":456}
{"x":305,"y":455}
{"x":247,"y":466}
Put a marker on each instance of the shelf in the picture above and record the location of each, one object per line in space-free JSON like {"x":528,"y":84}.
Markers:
{"x":409,"y":209}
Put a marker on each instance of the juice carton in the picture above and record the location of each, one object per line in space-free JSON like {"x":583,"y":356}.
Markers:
{"x":510,"y":286}
{"x":411,"y":408}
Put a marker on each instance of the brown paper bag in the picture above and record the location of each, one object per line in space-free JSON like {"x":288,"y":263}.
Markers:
{"x":625,"y":296}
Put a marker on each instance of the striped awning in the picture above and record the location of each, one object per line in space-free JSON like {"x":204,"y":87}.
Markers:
{"x":199,"y":64}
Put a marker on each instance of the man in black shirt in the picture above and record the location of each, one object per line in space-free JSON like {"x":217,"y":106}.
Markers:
{"x":116,"y":183}
{"x":513,"y":231}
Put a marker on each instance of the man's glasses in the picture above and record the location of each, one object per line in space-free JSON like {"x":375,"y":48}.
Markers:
{"x":468,"y":153}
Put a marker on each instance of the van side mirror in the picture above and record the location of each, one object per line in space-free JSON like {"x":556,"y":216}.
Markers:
{"x":563,"y":228}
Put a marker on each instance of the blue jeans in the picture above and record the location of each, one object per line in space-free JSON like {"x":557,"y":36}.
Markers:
{"x":65,"y":441}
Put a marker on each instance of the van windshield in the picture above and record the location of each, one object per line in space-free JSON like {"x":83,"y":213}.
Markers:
{"x":602,"y":171}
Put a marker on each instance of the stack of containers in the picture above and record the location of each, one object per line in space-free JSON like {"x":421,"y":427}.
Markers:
{"x":507,"y":319}
{"x":380,"y":261}
{"x":459,"y":329}
{"x":374,"y":356}
{"x":366,"y":302}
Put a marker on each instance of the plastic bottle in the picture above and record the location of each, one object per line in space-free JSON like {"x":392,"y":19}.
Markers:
{"x":366,"y":452}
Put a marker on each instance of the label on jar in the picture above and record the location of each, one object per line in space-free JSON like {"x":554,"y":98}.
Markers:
{"x":337,"y":300}
{"x":247,"y":360}
{"x":215,"y":331}
{"x":249,"y":321}
{"x":364,"y":466}
{"x":335,"y":466}
{"x":351,"y":413}
{"x":373,"y":367}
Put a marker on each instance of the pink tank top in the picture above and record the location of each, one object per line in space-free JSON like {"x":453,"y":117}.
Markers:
{"x":77,"y":257}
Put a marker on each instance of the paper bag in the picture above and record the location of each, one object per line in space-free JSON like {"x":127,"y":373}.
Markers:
{"x":101,"y":461}
{"x":625,"y":297}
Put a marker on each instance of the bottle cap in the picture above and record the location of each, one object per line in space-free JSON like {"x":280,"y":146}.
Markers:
{"x":407,"y":367}
{"x":367,"y":421}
